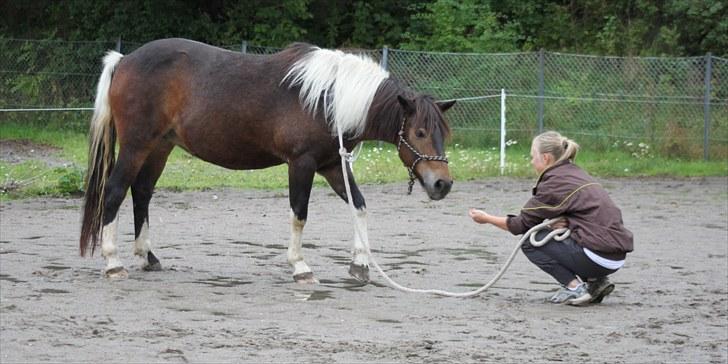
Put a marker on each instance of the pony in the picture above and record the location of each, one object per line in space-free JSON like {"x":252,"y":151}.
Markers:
{"x":243,"y":111}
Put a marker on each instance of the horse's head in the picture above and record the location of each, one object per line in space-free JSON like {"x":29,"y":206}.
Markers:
{"x":421,"y":144}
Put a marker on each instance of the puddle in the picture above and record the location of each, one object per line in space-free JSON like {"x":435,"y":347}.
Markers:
{"x":401,"y":265}
{"x":182,"y":205}
{"x":53,"y":291}
{"x":338,"y":258}
{"x":241,"y":242}
{"x":714,"y":226}
{"x":387,"y":321}
{"x":470,"y":285}
{"x":405,"y":254}
{"x":265,"y":256}
{"x":409,"y":262}
{"x":268,"y":246}
{"x":349,"y":284}
{"x":468,"y":254}
{"x":219,"y":281}
{"x":55,"y":267}
{"x":9,"y":278}
{"x":218,"y":313}
{"x":313,"y":296}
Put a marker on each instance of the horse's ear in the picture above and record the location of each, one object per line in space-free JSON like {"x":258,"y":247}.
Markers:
{"x":445,"y":105}
{"x":407,"y":104}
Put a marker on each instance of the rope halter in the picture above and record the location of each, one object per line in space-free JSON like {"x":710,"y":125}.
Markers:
{"x":420,"y":156}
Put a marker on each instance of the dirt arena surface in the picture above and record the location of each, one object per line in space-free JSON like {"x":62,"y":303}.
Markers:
{"x":226,"y":293}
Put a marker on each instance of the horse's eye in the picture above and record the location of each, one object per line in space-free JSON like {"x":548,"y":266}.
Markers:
{"x":420,"y":133}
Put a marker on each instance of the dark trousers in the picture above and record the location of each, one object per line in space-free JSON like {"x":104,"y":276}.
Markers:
{"x":563,"y":260}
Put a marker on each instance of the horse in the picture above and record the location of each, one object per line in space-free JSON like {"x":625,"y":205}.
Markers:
{"x":243,"y":111}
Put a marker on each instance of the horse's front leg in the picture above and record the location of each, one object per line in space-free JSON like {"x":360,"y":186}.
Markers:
{"x":359,"y":267}
{"x":300,"y":181}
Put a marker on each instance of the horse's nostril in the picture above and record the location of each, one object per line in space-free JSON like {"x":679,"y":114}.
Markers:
{"x":442,"y":185}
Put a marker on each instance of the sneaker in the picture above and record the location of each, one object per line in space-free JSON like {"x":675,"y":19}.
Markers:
{"x":599,"y":288}
{"x":578,"y":296}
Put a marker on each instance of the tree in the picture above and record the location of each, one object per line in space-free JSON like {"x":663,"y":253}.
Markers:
{"x":459,"y":26}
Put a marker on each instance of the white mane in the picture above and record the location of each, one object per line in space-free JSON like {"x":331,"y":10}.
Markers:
{"x":347,"y":81}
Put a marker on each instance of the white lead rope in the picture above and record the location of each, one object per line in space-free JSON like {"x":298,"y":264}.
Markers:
{"x":557,"y":234}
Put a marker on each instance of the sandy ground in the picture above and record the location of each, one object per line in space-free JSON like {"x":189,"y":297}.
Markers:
{"x":226,"y":292}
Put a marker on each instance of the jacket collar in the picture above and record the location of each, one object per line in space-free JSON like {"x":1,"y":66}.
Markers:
{"x":547,"y":171}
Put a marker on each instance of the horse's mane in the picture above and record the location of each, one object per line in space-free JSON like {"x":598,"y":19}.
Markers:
{"x":348,"y":82}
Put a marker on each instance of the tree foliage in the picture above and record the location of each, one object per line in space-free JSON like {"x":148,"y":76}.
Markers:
{"x":618,"y":27}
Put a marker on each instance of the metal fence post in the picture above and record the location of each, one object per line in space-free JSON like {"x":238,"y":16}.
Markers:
{"x":503,"y":132}
{"x":118,"y":44}
{"x":540,"y":90}
{"x":244,"y":47}
{"x":706,"y":106}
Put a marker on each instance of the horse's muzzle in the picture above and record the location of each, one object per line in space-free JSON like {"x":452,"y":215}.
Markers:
{"x":439,"y":189}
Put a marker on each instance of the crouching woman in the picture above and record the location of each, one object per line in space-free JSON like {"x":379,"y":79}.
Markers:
{"x":598,"y":243}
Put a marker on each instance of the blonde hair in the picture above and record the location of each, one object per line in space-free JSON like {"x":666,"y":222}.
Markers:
{"x":560,"y":147}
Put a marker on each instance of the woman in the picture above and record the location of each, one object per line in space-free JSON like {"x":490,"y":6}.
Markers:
{"x":598,"y":242}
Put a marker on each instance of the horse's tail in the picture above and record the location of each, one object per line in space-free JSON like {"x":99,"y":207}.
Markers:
{"x":102,"y":140}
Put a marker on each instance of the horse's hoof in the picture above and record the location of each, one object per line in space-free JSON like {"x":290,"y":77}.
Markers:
{"x":116,"y":273}
{"x":359,"y":272}
{"x":152,"y":267}
{"x":305,"y":278}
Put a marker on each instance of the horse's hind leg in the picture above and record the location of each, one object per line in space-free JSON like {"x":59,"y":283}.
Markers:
{"x":359,"y":267}
{"x":141,"y":193}
{"x":300,"y":181}
{"x":123,"y":173}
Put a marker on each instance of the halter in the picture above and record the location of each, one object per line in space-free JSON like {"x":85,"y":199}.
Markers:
{"x":420,"y":156}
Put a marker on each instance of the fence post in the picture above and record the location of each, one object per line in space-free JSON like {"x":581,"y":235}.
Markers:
{"x":540,"y":90}
{"x":244,"y":47}
{"x":706,"y":106}
{"x":503,"y":132}
{"x":118,"y":44}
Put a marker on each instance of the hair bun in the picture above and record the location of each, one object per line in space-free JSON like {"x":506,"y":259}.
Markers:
{"x":565,"y":143}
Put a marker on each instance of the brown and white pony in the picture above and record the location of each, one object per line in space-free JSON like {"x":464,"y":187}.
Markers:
{"x":243,"y":111}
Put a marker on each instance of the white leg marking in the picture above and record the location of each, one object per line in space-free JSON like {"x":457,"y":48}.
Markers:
{"x":142,"y":244}
{"x":361,"y":239}
{"x":295,"y":257}
{"x":108,"y":246}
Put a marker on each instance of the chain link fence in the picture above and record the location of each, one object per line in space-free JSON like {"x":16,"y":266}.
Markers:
{"x":679,"y":106}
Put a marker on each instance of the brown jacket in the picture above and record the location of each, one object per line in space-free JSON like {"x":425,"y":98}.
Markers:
{"x":595,"y":222}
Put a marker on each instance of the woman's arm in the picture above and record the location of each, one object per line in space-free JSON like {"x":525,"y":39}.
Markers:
{"x":482,"y":217}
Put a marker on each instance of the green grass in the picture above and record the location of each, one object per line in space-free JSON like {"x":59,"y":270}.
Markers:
{"x":375,"y":165}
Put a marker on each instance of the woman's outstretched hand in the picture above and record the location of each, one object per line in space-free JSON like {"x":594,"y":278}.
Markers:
{"x":482,"y":217}
{"x":479,"y":216}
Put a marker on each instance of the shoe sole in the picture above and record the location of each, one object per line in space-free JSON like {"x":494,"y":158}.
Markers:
{"x":604,"y":293}
{"x":580,"y":300}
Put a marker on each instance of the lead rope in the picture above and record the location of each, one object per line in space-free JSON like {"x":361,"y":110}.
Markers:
{"x":557,"y":234}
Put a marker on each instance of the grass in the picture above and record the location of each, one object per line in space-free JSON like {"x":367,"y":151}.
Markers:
{"x":376,"y":164}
